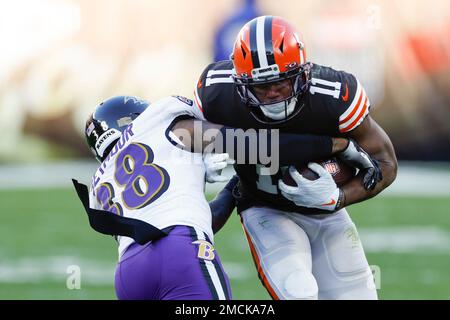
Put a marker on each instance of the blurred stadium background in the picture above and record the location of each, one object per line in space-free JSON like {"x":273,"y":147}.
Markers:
{"x":59,"y":58}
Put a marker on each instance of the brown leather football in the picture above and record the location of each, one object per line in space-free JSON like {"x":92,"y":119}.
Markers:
{"x":339,"y":170}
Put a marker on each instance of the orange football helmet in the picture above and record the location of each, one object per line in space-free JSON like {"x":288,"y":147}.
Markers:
{"x":267,"y":50}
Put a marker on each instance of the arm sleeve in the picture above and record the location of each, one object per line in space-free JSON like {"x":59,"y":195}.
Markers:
{"x":223,"y":205}
{"x":290,"y":148}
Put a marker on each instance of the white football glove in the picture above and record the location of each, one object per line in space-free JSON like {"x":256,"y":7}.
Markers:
{"x":356,"y":157}
{"x":321,"y":193}
{"x":214,"y":164}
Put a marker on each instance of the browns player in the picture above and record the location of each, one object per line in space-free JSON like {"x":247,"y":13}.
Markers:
{"x":304,"y":244}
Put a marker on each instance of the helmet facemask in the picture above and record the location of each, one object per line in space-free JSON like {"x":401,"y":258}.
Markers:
{"x":275,"y":112}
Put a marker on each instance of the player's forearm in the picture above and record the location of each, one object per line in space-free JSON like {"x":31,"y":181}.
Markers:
{"x":375,"y":141}
{"x":196,"y":135}
{"x":259,"y":146}
{"x":256,"y":146}
{"x":223,"y":205}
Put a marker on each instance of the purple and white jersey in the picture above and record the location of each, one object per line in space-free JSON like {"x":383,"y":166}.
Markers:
{"x":147,"y":177}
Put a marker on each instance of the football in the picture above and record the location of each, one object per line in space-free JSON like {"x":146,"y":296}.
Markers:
{"x":339,"y":170}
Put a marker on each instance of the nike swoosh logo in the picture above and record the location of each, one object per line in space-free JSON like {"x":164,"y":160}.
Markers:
{"x":345,"y":97}
{"x":329,"y":203}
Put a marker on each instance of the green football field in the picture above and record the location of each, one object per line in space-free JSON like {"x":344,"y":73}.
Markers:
{"x":44,"y":233}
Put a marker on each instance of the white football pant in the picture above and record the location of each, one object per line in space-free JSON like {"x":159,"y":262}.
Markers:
{"x":308,"y":257}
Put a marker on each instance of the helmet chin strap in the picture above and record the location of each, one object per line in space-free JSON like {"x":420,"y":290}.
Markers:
{"x":280,"y":110}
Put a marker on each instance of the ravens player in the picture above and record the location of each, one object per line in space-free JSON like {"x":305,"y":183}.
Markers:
{"x":155,"y":190}
{"x":304,"y":244}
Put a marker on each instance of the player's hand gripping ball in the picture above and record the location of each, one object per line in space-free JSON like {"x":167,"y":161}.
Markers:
{"x":341,"y":172}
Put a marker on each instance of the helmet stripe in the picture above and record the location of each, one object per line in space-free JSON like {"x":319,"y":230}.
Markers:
{"x":268,"y":40}
{"x":260,"y":41}
{"x":253,"y":44}
{"x":302,"y":56}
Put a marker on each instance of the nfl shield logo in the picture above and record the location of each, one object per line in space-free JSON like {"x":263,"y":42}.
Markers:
{"x":332,"y":167}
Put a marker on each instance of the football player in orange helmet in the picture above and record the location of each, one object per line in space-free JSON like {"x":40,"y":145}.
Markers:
{"x":303,"y":241}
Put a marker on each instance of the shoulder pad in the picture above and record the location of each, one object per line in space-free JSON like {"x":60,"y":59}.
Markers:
{"x":209,"y":85}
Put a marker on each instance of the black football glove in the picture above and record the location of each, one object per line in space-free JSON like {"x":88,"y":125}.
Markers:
{"x":356,"y":157}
